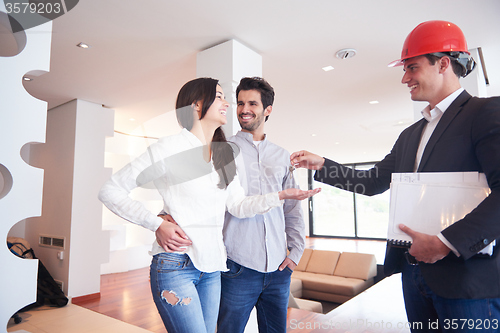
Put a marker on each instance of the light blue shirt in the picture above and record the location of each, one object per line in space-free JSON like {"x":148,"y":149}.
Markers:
{"x":261,"y":242}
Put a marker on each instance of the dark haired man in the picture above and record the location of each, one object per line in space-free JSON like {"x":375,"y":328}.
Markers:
{"x":450,"y":284}
{"x":259,"y":267}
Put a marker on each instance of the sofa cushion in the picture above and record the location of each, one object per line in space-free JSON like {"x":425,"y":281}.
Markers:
{"x":322,"y":262}
{"x":319,"y":296}
{"x":296,"y":287}
{"x":308,"y":305}
{"x":304,"y":260}
{"x":304,"y":304}
{"x":333,"y":284}
{"x":297,"y":275}
{"x":356,"y":265}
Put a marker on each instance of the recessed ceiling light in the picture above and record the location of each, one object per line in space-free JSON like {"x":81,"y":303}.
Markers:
{"x":374,"y":102}
{"x":337,"y":143}
{"x":313,"y":134}
{"x":83,"y":45}
{"x":327,"y":68}
{"x":25,"y":78}
{"x":132,"y":119}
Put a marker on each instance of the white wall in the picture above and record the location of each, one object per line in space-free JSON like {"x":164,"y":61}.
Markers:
{"x":22,"y":121}
{"x":129,"y":243}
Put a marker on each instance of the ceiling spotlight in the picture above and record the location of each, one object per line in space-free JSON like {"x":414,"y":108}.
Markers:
{"x":345,"y":53}
{"x":374,"y":102}
{"x":327,"y":68}
{"x":83,"y":45}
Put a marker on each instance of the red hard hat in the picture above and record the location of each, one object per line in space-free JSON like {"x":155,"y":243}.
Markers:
{"x":431,"y":37}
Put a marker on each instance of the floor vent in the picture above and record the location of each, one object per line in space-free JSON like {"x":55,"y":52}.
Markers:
{"x":50,"y":241}
{"x":59,"y":283}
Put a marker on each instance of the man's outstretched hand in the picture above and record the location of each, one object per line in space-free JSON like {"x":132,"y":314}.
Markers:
{"x":305,"y":159}
{"x":170,"y":236}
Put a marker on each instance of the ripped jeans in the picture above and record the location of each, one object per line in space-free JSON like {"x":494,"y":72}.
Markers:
{"x":187,"y":299}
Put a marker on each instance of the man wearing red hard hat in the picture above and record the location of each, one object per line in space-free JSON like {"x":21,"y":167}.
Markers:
{"x":451,"y":281}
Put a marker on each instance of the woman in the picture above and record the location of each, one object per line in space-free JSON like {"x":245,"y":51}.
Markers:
{"x":195,"y":174}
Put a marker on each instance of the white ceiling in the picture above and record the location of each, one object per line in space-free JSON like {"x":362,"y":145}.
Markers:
{"x":143,"y":51}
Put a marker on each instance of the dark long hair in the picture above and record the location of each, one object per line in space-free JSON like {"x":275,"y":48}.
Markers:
{"x":204,"y":90}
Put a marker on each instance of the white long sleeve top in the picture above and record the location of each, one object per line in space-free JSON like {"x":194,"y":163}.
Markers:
{"x":188,"y":186}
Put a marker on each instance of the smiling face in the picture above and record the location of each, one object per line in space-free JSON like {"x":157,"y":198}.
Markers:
{"x":250,"y":111}
{"x":216,"y":113}
{"x":424,"y":80}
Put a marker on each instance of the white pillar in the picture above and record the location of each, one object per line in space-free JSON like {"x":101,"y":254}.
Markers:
{"x":229,"y":62}
{"x":73,"y":161}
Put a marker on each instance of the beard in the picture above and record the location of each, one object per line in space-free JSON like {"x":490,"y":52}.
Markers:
{"x":252,"y":125}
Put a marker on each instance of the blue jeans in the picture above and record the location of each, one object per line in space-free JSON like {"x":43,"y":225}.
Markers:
{"x":428,"y":312}
{"x":244,"y":288}
{"x":187,"y":299}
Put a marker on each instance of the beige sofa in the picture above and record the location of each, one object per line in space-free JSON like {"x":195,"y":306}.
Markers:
{"x":304,"y":304}
{"x":332,"y":276}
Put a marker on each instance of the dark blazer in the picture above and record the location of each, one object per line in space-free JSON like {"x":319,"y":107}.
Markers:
{"x":467,"y":138}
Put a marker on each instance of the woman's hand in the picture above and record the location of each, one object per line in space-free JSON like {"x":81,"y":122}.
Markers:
{"x":297,"y":194}
{"x":170,"y":236}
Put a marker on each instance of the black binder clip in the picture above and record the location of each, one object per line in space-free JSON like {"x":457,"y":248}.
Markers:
{"x":410,"y":259}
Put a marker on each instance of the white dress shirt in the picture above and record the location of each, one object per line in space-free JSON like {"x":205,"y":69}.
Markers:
{"x":433,"y":116}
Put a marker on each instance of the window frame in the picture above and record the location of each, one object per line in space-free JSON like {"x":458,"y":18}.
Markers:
{"x":310,"y":180}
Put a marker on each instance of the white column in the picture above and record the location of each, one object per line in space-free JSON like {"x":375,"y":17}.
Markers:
{"x":73,"y":161}
{"x":89,"y":243}
{"x":229,"y":62}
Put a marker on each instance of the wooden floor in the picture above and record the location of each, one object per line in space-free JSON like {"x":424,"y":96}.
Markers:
{"x":68,"y":319}
{"x":127,"y":296}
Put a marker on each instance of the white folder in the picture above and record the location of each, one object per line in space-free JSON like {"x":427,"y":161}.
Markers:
{"x":430,"y":202}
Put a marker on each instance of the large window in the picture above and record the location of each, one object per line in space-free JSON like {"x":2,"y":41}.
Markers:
{"x":339,"y":213}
